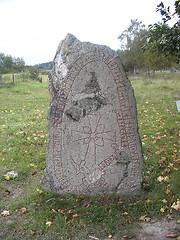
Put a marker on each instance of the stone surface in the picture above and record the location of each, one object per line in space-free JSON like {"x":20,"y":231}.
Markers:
{"x":93,"y":140}
{"x":178,"y":105}
{"x":12,"y":174}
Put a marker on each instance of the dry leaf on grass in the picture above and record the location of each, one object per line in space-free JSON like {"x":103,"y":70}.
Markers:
{"x":5,"y":213}
{"x":23,"y":210}
{"x":32,"y":232}
{"x":48,"y":223}
{"x":145,"y":219}
{"x":171,"y":235}
{"x":176,"y":205}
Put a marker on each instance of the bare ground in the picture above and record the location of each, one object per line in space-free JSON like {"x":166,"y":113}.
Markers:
{"x":158,"y":230}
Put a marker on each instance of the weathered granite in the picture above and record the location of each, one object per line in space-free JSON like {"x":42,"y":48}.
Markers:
{"x":93,"y":140}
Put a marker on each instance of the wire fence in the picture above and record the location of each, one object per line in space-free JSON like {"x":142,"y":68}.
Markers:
{"x":8,"y":80}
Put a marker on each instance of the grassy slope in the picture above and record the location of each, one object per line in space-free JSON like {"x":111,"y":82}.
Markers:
{"x":23,"y":131}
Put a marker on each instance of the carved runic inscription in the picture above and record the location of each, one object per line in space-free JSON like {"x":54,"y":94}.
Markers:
{"x":93,"y":139}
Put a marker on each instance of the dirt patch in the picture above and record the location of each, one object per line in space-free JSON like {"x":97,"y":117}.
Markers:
{"x":157,"y":230}
{"x":10,"y":193}
{"x":154,"y":230}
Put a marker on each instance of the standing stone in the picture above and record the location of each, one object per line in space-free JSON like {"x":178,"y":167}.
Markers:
{"x":93,"y":140}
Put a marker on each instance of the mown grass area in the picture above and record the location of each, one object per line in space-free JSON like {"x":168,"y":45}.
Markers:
{"x":35,"y":214}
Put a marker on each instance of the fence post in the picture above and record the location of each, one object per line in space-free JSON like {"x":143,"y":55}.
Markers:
{"x":13,"y":77}
{"x":1,"y":80}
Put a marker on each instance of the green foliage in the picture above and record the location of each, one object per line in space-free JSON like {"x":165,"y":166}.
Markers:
{"x":8,"y":64}
{"x":163,"y":38}
{"x":132,"y":39}
{"x":19,"y":64}
{"x":34,"y":73}
{"x":158,"y":61}
{"x":45,"y":66}
{"x":157,"y":47}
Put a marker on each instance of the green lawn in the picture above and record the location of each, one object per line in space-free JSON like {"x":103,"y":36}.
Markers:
{"x":34,"y":214}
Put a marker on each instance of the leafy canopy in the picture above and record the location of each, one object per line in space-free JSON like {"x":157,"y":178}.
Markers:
{"x":165,"y":39}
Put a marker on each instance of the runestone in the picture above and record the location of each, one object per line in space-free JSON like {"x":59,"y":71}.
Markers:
{"x":93,"y":140}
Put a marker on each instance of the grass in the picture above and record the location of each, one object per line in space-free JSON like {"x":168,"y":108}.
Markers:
{"x":34,"y":214}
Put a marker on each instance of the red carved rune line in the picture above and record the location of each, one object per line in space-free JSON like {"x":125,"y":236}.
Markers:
{"x":94,"y":135}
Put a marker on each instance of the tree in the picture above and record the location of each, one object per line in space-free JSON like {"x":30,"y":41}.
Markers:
{"x":164,"y":39}
{"x":157,"y":61}
{"x":19,"y":64}
{"x":34,"y":73}
{"x":132,"y":40}
{"x":9,"y":64}
{"x":2,"y":56}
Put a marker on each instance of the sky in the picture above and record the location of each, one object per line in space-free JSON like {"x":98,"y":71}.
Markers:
{"x":32,"y":29}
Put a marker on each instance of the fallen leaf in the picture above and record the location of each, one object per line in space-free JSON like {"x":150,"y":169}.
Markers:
{"x":32,"y":232}
{"x":126,"y":236}
{"x":110,"y":236}
{"x":53,"y":211}
{"x":160,"y":179}
{"x":40,"y":233}
{"x":158,"y":152}
{"x":145,"y":218}
{"x":61,"y":211}
{"x":176,"y":205}
{"x":169,"y":217}
{"x":23,"y":210}
{"x":86,"y":205}
{"x":75,"y":215}
{"x":164,"y":201}
{"x":166,"y":179}
{"x":170,"y":211}
{"x":171,"y":235}
{"x":148,"y":201}
{"x":94,"y":237}
{"x":168,"y":191}
{"x":162,"y":210}
{"x":70,"y":211}
{"x":125,"y":213}
{"x":48,"y":223}
{"x":32,"y":165}
{"x":5,"y":213}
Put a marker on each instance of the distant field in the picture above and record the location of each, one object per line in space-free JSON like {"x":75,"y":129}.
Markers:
{"x":34,"y":214}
